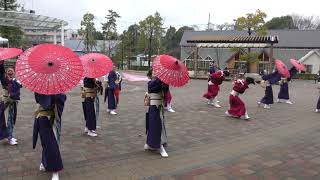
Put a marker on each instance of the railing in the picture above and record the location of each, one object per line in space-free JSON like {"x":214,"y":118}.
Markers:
{"x":202,"y":64}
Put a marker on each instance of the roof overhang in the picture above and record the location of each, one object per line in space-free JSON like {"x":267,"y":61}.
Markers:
{"x":29,"y":20}
{"x":232,"y":41}
{"x":304,"y":58}
{"x":3,"y":40}
{"x":232,"y":45}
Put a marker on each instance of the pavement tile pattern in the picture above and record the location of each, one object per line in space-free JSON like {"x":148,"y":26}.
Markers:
{"x":117,"y":153}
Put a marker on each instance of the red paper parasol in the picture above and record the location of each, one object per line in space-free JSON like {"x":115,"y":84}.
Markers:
{"x":282,"y":68}
{"x":49,"y":69}
{"x":7,"y":53}
{"x":297,"y":65}
{"x":170,"y":70}
{"x":96,"y":65}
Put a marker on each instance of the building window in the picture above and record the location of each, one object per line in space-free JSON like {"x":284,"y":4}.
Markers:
{"x":263,"y":57}
{"x":240,"y":65}
{"x":191,"y":56}
{"x":208,"y":58}
{"x":308,"y":68}
{"x":263,"y":67}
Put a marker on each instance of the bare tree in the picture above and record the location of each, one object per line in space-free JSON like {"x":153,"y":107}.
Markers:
{"x":195,"y":27}
{"x":305,"y":22}
{"x":225,"y":26}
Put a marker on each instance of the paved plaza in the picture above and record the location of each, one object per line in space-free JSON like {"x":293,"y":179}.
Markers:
{"x":278,"y":143}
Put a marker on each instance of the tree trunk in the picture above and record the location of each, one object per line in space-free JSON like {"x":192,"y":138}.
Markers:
{"x":109,"y":48}
{"x":122,"y":55}
{"x":150,"y":51}
{"x":87,"y":41}
{"x":6,"y":5}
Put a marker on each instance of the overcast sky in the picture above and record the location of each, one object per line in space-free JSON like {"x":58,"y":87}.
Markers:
{"x":174,"y":12}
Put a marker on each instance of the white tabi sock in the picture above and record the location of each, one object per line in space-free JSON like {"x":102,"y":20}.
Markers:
{"x":163,"y":152}
{"x":55,"y":176}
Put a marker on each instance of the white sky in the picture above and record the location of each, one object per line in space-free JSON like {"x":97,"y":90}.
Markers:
{"x":174,"y":12}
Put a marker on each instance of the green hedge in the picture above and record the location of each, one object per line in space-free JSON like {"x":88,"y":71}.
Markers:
{"x":305,"y":76}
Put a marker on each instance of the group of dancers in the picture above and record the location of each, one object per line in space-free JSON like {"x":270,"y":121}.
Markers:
{"x":237,"y":106}
{"x":90,"y":90}
{"x":47,"y":124}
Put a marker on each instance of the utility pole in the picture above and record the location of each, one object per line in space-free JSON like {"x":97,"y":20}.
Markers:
{"x":208,"y":29}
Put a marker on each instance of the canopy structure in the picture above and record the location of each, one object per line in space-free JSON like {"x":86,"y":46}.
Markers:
{"x":31,"y":20}
{"x":233,"y":41}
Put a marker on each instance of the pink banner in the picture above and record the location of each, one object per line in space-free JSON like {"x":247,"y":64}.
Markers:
{"x":134,"y":77}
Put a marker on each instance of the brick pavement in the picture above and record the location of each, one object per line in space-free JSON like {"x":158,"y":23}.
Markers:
{"x":201,"y":138}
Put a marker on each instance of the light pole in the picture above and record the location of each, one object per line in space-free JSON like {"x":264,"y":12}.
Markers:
{"x":235,"y":24}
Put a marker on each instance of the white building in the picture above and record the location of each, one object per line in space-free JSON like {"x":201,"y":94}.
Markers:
{"x":37,"y":28}
{"x":43,"y":35}
{"x":311,"y":61}
{"x":72,"y":34}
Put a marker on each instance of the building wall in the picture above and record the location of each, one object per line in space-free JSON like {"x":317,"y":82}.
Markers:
{"x":222,"y":55}
{"x":231,"y":64}
{"x":43,"y":35}
{"x":313,"y":60}
{"x":254,"y":67}
{"x":219,"y":55}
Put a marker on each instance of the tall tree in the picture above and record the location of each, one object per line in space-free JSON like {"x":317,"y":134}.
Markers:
{"x":14,"y":34}
{"x":283,"y":22}
{"x":110,"y":28}
{"x":129,"y":45}
{"x":87,"y":31}
{"x":252,"y":22}
{"x":130,"y":40}
{"x":305,"y":22}
{"x":152,"y":29}
{"x":9,"y":5}
{"x":171,"y":40}
{"x":98,"y":35}
{"x":121,"y":51}
{"x":168,"y":40}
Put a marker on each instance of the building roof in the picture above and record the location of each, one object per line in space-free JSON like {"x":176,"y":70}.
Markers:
{"x":79,"y":46}
{"x":29,"y":20}
{"x":297,"y":39}
{"x":308,"y":55}
{"x":232,"y":39}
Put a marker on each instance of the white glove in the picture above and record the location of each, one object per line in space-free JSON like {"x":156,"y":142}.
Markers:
{"x":240,"y":81}
{"x":210,"y":83}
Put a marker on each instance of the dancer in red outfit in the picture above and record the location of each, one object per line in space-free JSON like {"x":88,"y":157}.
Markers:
{"x":237,"y":106}
{"x":214,"y":82}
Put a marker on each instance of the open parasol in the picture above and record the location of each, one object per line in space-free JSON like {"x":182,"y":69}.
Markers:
{"x":7,"y":53}
{"x":297,"y":65}
{"x":282,"y":68}
{"x":49,"y":69}
{"x":96,"y":65}
{"x":170,"y":70}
